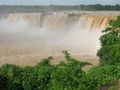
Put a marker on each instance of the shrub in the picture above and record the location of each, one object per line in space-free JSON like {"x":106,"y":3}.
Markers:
{"x":65,"y":76}
{"x":110,"y":42}
{"x":10,"y":77}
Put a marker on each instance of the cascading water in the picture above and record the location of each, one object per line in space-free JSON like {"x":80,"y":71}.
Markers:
{"x":30,"y":36}
{"x":63,"y":21}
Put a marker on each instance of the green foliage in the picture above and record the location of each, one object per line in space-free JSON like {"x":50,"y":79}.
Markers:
{"x":101,"y":76}
{"x":28,"y":78}
{"x":43,"y":76}
{"x":67,"y":76}
{"x":37,"y":77}
{"x":109,"y":53}
{"x":11,"y":76}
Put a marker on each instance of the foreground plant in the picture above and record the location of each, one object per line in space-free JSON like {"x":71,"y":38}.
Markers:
{"x":110,"y":44}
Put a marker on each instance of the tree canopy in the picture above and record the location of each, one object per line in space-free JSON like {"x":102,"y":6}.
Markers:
{"x":110,"y":43}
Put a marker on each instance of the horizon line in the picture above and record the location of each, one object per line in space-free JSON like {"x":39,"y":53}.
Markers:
{"x":55,"y":4}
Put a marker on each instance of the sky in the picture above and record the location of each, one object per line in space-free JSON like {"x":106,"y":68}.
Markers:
{"x":58,"y":2}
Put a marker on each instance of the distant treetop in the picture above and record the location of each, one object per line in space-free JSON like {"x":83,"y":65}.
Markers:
{"x":44,"y":8}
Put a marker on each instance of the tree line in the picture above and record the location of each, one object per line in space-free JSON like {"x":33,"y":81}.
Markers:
{"x":48,"y":8}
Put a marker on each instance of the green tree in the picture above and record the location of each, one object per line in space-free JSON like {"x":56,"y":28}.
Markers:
{"x":109,"y":52}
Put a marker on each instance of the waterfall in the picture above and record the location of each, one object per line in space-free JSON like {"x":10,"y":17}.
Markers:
{"x":26,"y":37}
{"x":63,"y":21}
{"x":54,"y":22}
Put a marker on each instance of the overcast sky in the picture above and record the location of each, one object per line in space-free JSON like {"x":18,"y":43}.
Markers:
{"x":60,"y":2}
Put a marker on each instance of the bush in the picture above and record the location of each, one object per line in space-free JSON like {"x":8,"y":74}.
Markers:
{"x":65,"y":76}
{"x":43,"y":76}
{"x":110,"y":54}
{"x":10,"y":76}
{"x":110,"y":42}
{"x":37,"y":77}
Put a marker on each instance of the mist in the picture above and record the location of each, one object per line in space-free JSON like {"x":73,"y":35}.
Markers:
{"x":21,"y":33}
